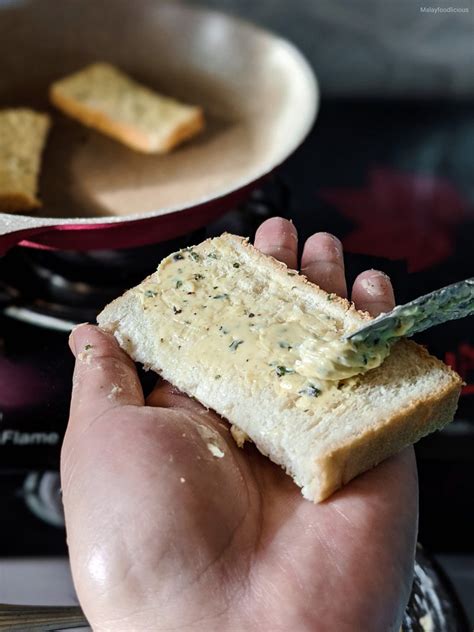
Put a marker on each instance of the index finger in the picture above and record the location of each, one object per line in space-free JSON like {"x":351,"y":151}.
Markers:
{"x":104,"y":376}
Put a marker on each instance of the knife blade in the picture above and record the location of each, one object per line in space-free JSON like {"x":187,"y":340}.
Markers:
{"x":448,"y":303}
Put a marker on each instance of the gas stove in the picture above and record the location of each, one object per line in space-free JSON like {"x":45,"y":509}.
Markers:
{"x":392,"y":180}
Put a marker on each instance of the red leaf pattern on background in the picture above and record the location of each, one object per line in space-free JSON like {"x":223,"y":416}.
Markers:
{"x":401,"y":216}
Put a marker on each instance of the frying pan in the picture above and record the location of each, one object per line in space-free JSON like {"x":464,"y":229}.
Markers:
{"x":259,"y":95}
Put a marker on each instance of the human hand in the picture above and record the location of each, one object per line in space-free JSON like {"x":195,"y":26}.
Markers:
{"x":163,"y":535}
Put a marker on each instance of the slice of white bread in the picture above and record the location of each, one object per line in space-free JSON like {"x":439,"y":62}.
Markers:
{"x":223,"y":323}
{"x":106,"y":99}
{"x":22,"y":137}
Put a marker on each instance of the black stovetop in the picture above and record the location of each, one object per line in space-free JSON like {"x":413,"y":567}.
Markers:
{"x":395,"y":181}
{"x":392,"y":180}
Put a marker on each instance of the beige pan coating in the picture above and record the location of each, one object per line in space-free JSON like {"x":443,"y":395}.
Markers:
{"x":258,"y":94}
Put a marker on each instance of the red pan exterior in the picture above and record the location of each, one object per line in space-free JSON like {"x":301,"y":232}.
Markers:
{"x":122,"y":234}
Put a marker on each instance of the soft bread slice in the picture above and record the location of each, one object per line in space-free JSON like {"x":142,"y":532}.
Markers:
{"x":203,"y":321}
{"x":106,"y":99}
{"x":22,"y":137}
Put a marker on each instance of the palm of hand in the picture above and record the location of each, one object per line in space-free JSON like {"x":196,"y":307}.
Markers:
{"x":172,"y":526}
{"x":230,"y":536}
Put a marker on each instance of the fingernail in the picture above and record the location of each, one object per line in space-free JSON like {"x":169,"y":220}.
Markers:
{"x":334,"y":238}
{"x":377,"y":273}
{"x":375,"y":283}
{"x":330,"y":236}
{"x":325,"y":247}
{"x":72,"y":336}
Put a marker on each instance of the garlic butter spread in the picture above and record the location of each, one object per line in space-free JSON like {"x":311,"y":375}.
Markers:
{"x":224,"y":314}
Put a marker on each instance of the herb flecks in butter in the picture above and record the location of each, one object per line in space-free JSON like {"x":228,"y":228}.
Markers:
{"x":283,"y":370}
{"x":310,"y":391}
{"x":194,"y":255}
{"x":338,"y":359}
{"x":235,"y":319}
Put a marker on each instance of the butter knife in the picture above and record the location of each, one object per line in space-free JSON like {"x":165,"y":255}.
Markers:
{"x":448,"y":303}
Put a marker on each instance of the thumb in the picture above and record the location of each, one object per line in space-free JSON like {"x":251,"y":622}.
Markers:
{"x":104,"y":376}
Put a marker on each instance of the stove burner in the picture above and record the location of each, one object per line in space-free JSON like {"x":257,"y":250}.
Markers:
{"x":57,"y":289}
{"x":42,"y":495}
{"x":74,"y":286}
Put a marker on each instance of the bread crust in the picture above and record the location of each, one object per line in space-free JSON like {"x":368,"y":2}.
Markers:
{"x":357,"y":316}
{"x":409,"y":425}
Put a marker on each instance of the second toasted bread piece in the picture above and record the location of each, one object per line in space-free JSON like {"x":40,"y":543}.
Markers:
{"x":106,"y":99}
{"x":22,"y":138}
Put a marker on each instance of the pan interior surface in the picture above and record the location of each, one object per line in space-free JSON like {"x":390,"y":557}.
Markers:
{"x":258,"y":93}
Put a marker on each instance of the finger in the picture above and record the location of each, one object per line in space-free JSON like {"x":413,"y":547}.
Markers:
{"x":323,"y":263}
{"x":373,"y":292}
{"x":104,"y":376}
{"x":165,"y":395}
{"x":279,"y":238}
